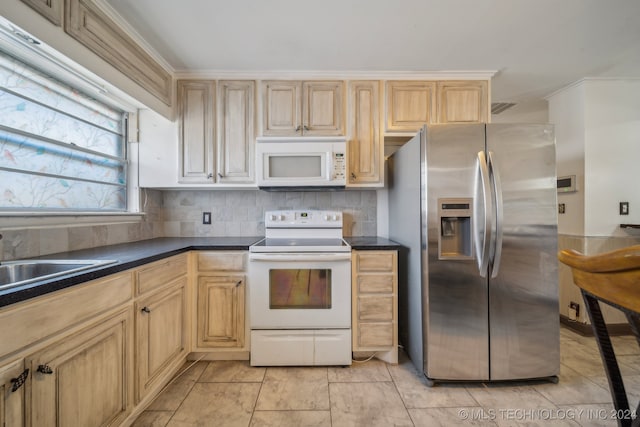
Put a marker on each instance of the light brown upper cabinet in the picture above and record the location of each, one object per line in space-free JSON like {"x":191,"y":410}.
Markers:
{"x":196,"y":117}
{"x":462,"y":101}
{"x":236,"y":136}
{"x":310,"y":108}
{"x":365,"y":147}
{"x":410,"y":104}
{"x":50,"y":9}
{"x":89,"y":25}
{"x":225,"y":133}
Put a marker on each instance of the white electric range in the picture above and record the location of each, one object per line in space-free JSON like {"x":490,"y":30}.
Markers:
{"x":300,"y":291}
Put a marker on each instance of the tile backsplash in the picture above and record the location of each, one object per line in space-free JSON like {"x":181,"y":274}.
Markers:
{"x":241,"y":213}
{"x":178,"y":213}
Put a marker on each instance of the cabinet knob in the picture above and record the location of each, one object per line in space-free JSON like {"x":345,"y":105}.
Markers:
{"x":305,"y":127}
{"x":45,"y":369}
{"x":353,"y":175}
{"x":145,"y":310}
{"x":239,"y":283}
{"x":210,"y":176}
{"x":298,"y":128}
{"x":220,"y":175}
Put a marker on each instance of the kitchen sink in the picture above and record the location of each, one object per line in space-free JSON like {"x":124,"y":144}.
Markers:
{"x":17,"y":273}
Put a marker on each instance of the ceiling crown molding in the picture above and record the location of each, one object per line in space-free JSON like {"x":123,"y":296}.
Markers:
{"x":335,"y":74}
{"x":131,"y":32}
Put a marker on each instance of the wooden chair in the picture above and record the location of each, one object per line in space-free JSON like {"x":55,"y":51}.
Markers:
{"x":613,"y":278}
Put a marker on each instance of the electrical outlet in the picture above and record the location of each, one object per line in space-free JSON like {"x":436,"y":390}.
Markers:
{"x":575,"y":306}
{"x":206,"y":217}
{"x":624,"y":208}
{"x":561,"y":208}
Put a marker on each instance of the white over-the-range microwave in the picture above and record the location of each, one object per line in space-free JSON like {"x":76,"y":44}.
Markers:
{"x":301,"y":163}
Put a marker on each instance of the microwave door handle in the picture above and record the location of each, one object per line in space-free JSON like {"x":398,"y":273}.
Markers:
{"x":329,"y":165}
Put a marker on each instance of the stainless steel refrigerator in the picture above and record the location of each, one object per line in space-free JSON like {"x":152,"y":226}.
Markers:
{"x":475,"y":206}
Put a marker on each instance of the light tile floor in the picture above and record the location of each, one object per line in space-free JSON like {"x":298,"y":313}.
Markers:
{"x":231,"y":393}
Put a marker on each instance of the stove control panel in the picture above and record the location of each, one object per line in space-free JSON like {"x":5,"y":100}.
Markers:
{"x":303,"y":219}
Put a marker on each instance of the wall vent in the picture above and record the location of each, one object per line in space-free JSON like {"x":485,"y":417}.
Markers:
{"x":499,"y":107}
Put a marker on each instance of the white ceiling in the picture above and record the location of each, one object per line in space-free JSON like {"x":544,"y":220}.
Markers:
{"x":536,"y":46}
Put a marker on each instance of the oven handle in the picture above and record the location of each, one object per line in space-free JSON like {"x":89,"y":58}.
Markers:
{"x":313,"y":257}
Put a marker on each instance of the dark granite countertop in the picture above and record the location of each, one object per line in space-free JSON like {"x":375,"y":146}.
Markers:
{"x":372,"y":243}
{"x":135,"y":254}
{"x":127,"y":255}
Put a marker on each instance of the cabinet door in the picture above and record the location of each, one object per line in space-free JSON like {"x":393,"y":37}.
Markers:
{"x":84,"y":379}
{"x":410,"y":104}
{"x":281,"y":108}
{"x":463,"y":101}
{"x":323,"y":108}
{"x":50,"y":9}
{"x":161,"y":326}
{"x":221,"y":309}
{"x":11,"y":401}
{"x":236,"y":138}
{"x":196,"y":117}
{"x":365,"y":148}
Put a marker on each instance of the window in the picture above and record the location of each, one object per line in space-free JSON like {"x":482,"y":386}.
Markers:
{"x":60,"y":150}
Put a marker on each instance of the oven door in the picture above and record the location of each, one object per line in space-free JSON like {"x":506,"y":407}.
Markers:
{"x":300,"y":290}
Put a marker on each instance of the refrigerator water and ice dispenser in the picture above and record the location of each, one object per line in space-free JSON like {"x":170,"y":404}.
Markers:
{"x":454,"y":238}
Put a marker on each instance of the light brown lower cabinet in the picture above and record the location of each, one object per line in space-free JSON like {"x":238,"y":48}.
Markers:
{"x":83,"y":379}
{"x":11,"y":394}
{"x":221,"y":311}
{"x":161,"y":335}
{"x":374,"y":301}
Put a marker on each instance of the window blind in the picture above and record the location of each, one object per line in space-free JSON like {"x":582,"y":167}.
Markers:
{"x":60,"y":149}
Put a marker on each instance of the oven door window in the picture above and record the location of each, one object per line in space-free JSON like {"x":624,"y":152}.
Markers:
{"x":300,"y":288}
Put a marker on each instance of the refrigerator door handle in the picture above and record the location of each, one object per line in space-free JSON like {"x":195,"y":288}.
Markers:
{"x":482,"y":228}
{"x":499,"y":215}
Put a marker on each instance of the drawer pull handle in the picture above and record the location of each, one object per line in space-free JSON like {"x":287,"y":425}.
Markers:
{"x":17,"y":382}
{"x":239,"y":283}
{"x":145,"y":310}
{"x":45,"y":369}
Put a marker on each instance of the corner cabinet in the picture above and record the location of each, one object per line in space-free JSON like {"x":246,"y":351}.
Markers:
{"x":366,"y":151}
{"x":220,"y":301}
{"x":374,"y":301}
{"x":311,"y":108}
{"x":216,"y":145}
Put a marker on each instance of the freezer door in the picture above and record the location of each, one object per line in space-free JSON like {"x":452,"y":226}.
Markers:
{"x":455,"y":296}
{"x":523,"y":290}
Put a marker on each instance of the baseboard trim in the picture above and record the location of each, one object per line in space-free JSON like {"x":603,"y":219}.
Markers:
{"x":584,"y":329}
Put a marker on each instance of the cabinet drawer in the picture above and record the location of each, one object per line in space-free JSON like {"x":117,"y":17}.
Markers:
{"x":159,"y":273}
{"x":375,"y":308}
{"x":376,"y":261}
{"x":375,"y":335}
{"x":37,"y":319}
{"x":221,"y":261}
{"x":375,"y":284}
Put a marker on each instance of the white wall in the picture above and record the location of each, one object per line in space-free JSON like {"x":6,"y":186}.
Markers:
{"x":566,"y":113}
{"x":612,"y":154}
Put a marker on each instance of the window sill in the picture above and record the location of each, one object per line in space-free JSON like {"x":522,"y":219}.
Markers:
{"x":17,"y":220}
